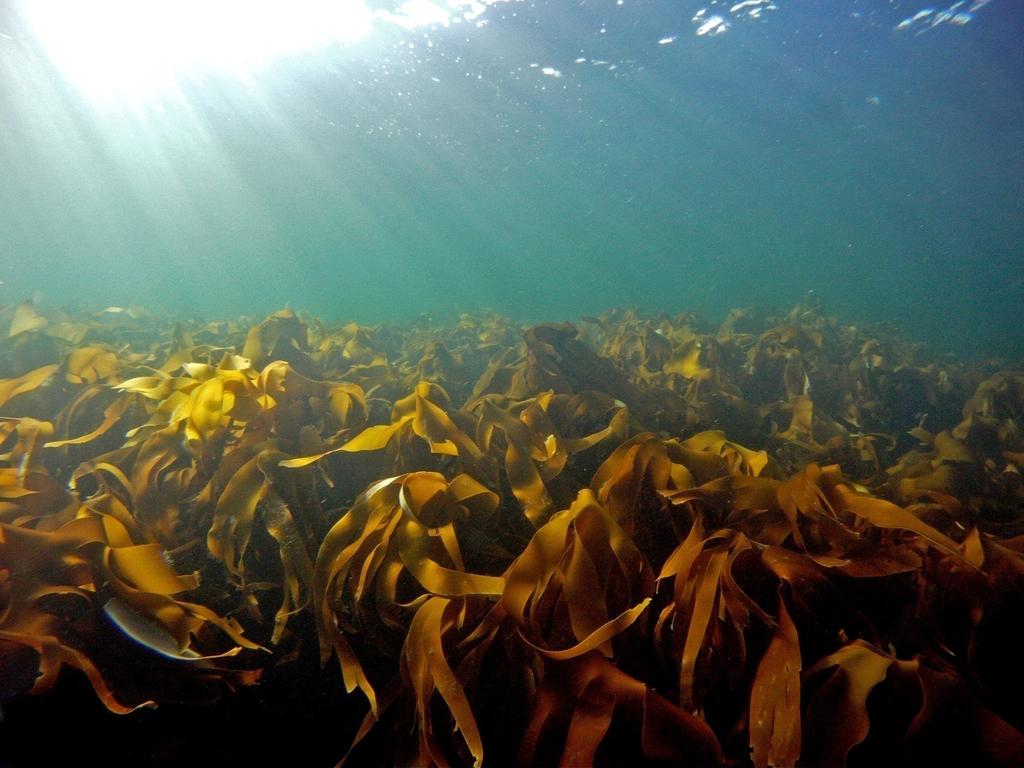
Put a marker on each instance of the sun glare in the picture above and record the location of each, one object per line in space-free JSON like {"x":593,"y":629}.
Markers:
{"x":141,"y":52}
{"x":135,"y":51}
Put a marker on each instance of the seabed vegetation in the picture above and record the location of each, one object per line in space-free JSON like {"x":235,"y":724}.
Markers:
{"x":634,"y":539}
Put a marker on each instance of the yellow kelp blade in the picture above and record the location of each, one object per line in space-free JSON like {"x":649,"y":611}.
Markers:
{"x":11,"y":388}
{"x":571,"y":718}
{"x":298,"y":569}
{"x":89,"y":365}
{"x":111,"y":415}
{"x":775,"y":699}
{"x":234,"y":515}
{"x":582,"y":556}
{"x":842,"y":701}
{"x":423,"y":660}
{"x":208,"y":406}
{"x":885,"y":514}
{"x":26,"y":319}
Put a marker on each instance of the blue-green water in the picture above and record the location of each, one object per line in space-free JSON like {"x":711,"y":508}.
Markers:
{"x":545,"y":159}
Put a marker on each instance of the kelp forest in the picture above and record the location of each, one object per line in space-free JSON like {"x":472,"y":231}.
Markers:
{"x":633,"y":539}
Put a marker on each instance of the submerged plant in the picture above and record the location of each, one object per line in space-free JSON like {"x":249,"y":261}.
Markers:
{"x":782,"y":541}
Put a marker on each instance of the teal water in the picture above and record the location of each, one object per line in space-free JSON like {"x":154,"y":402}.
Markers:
{"x":543,"y":159}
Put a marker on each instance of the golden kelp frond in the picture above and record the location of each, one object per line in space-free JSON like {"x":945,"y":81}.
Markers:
{"x":29,"y":495}
{"x":580,"y":702}
{"x":43,"y":571}
{"x":711,"y":607}
{"x":359,"y":355}
{"x":999,"y":397}
{"x":534,"y":448}
{"x":986,"y":584}
{"x":505,"y":375}
{"x":26,"y":453}
{"x":425,"y":669}
{"x":423,"y":420}
{"x":978,"y":461}
{"x":775,"y":698}
{"x":579,"y":583}
{"x":742,"y":324}
{"x":816,"y":511}
{"x":297,"y":403}
{"x":249,"y":496}
{"x":88,"y":365}
{"x":708,"y":608}
{"x":92,"y":558}
{"x":634,"y":481}
{"x":629,"y":485}
{"x":803,"y":425}
{"x":642,"y":346}
{"x":11,"y":388}
{"x":359,"y":347}
{"x":525,"y":449}
{"x":26,"y":319}
{"x":210,"y":399}
{"x":35,"y":339}
{"x":403,"y":541}
{"x":234,"y":515}
{"x":201,"y":403}
{"x":81,"y":407}
{"x":239,"y":421}
{"x":687,"y":361}
{"x":282,"y":336}
{"x":440,"y":366}
{"x":941,"y":463}
{"x":559,"y":362}
{"x":701,"y":458}
{"x":841,"y":700}
{"x":140,"y":577}
{"x":297,"y":580}
{"x":709,"y":455}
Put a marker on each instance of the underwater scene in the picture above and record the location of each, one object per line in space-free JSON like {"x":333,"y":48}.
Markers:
{"x":511,"y":383}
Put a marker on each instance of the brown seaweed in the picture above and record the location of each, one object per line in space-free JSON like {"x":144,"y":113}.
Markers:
{"x":782,"y":541}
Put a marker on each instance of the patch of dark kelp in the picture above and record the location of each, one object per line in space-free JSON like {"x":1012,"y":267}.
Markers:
{"x":630,"y":540}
